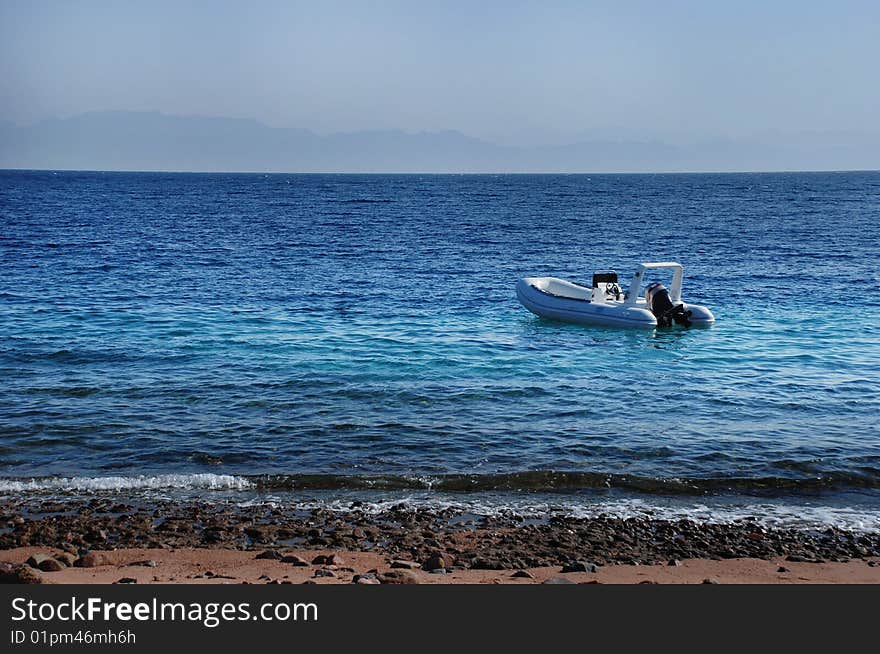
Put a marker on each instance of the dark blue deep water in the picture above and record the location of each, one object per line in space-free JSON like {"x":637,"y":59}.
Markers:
{"x":328,"y":333}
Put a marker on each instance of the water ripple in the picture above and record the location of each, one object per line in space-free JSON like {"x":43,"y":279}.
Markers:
{"x":365,"y":327}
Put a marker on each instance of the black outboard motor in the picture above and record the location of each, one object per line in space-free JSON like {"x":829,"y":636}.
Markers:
{"x":664,"y":309}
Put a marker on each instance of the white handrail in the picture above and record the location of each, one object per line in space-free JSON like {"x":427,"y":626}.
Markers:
{"x":674,"y":291}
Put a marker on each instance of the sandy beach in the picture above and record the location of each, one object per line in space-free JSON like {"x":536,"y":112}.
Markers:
{"x":213,"y":566}
{"x":104,"y":541}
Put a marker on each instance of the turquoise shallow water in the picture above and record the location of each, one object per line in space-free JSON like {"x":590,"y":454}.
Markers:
{"x":332,"y":332}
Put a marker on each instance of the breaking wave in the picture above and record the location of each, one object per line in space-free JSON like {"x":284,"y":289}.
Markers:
{"x":531,"y":481}
{"x":139,"y":482}
{"x":528,"y":495}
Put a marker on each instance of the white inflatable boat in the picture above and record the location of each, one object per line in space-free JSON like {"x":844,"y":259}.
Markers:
{"x":605,"y":304}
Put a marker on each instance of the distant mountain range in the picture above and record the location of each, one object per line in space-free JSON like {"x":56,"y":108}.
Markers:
{"x":160,"y":142}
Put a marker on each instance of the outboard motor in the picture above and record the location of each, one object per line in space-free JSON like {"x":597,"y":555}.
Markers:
{"x":666,"y":312}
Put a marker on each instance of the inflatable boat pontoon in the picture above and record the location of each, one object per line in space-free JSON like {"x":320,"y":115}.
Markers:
{"x":605,"y":304}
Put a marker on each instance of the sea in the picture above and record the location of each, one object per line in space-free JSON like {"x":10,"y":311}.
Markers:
{"x":340,"y":340}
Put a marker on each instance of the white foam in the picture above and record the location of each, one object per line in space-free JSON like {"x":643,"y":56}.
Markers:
{"x":779,"y":514}
{"x":783,"y":512}
{"x":149,"y":482}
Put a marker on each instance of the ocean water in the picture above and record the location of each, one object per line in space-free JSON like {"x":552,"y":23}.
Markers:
{"x":337,"y":336}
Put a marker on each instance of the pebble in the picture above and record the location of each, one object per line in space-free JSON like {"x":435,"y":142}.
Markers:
{"x":45,"y":563}
{"x":328,"y":559}
{"x":579,"y":566}
{"x":35,"y":560}
{"x":17,"y":573}
{"x":437,"y":561}
{"x":755,"y":536}
{"x":66,"y":558}
{"x":399,"y":577}
{"x":365,"y":579}
{"x":335,"y":559}
{"x":406,"y":565}
{"x":482,"y":563}
{"x":402,"y":533}
{"x":51,"y":565}
{"x":269,"y":554}
{"x":91,"y":560}
{"x":294,"y":559}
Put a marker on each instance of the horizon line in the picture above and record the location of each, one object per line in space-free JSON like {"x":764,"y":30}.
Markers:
{"x":447,"y":173}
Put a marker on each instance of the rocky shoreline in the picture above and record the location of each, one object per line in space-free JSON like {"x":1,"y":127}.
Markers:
{"x":444,"y":539}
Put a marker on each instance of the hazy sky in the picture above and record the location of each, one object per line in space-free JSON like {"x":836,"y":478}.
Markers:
{"x":516,"y":72}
